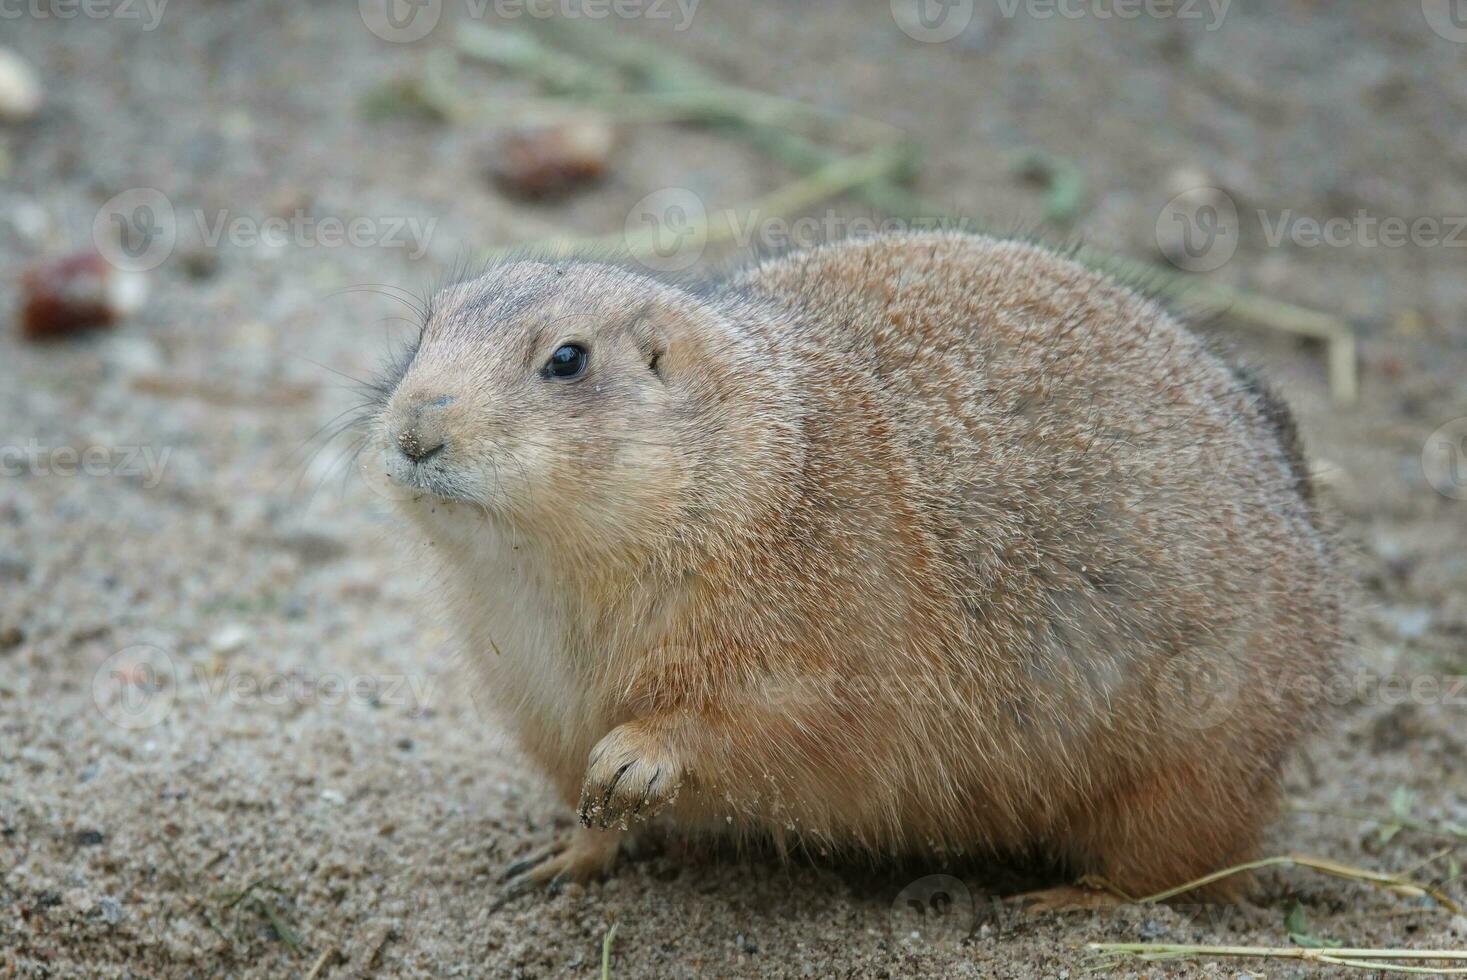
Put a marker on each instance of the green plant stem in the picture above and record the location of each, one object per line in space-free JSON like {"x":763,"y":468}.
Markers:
{"x":606,"y":951}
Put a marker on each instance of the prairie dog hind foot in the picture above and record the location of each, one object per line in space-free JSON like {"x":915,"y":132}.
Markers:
{"x":580,"y":856}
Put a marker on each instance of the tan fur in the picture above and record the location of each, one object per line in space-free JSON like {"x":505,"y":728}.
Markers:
{"x":925,"y":545}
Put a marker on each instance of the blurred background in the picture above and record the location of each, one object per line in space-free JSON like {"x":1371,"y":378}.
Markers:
{"x":232,"y":737}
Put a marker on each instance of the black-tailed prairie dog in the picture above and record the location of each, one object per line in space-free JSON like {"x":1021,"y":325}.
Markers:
{"x":923,"y":545}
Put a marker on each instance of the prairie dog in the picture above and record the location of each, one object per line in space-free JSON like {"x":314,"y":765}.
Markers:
{"x":925,"y":544}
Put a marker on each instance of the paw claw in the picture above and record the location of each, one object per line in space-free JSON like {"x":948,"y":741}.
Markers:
{"x":587,"y":809}
{"x":532,"y":862}
{"x":648,"y":792}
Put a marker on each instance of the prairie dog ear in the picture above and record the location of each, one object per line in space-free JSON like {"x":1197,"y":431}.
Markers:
{"x":649,"y":330}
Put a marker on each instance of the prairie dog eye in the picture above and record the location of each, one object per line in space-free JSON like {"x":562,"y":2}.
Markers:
{"x":567,"y":363}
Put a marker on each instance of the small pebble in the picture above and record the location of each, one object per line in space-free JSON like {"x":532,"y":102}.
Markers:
{"x":201,"y":263}
{"x":551,"y":161}
{"x":74,"y":293}
{"x":20,"y":88}
{"x":30,"y":221}
{"x":229,"y":639}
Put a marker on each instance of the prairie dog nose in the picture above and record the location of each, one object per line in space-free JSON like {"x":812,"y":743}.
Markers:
{"x":422,"y":436}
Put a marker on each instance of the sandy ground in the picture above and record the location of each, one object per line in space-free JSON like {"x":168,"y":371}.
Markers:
{"x":309,"y":789}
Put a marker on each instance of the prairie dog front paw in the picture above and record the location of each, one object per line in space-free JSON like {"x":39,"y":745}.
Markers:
{"x":631,"y":775}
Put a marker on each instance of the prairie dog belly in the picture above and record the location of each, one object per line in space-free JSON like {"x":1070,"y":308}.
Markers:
{"x":514,"y":632}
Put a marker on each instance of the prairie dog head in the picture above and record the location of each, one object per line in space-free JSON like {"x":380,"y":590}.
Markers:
{"x":582,"y":405}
